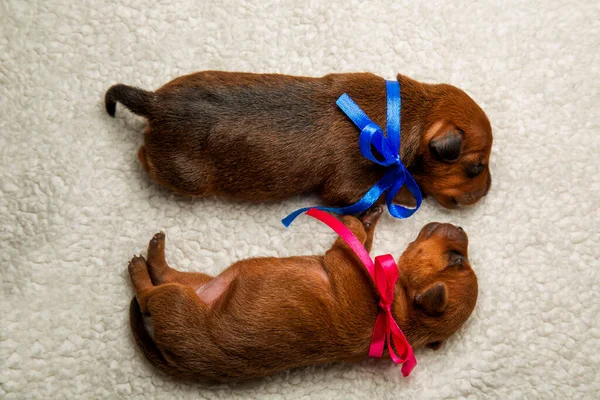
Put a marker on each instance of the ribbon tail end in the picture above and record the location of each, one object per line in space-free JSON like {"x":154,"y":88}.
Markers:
{"x":408,"y":366}
{"x":287,"y":221}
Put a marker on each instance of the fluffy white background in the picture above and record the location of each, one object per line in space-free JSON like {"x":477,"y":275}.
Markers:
{"x":75,"y":205}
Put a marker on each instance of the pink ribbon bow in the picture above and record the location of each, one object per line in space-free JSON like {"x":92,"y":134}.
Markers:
{"x":384,"y":273}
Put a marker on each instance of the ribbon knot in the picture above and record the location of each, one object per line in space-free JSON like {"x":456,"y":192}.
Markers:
{"x":387,"y":147}
{"x":384,"y":305}
{"x":384,"y":273}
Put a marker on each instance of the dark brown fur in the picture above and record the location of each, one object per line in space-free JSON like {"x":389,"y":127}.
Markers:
{"x":272,"y":314}
{"x":264,"y":137}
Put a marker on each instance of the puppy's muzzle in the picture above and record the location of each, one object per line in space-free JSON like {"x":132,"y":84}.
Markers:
{"x":472,"y":197}
{"x":448,"y":231}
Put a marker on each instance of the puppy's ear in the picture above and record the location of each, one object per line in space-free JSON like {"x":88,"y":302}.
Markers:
{"x":434,"y":299}
{"x":447,"y":146}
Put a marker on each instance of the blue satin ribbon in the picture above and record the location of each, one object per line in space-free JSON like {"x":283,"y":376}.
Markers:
{"x":388,"y":149}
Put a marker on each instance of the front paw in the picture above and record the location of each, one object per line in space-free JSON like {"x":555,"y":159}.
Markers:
{"x":370,"y":217}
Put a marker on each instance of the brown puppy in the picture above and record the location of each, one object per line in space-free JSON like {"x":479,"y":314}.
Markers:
{"x":266,"y":137}
{"x":265,"y":315}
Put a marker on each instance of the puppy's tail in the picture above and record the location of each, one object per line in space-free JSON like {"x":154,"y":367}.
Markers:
{"x":137,"y":100}
{"x":143,"y":338}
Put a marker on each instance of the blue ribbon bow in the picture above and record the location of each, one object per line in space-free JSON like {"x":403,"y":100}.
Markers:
{"x":388,"y":147}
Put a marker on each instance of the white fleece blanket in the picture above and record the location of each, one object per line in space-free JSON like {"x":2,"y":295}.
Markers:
{"x":75,"y":204}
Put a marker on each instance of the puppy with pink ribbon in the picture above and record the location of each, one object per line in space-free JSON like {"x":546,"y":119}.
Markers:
{"x":265,"y":315}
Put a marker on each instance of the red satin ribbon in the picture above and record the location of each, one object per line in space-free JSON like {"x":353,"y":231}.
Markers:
{"x":384,"y":273}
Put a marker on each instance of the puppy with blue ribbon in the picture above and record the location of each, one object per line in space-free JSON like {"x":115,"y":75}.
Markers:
{"x":264,"y":137}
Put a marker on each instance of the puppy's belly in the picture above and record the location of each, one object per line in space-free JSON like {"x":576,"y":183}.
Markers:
{"x":214,"y":289}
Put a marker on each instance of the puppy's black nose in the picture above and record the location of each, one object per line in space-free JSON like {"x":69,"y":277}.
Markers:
{"x":460,"y":229}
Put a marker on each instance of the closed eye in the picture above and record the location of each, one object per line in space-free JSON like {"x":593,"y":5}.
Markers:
{"x":474,"y":169}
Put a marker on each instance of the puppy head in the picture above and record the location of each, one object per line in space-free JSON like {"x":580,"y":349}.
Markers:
{"x":440,"y":288}
{"x":452,"y":163}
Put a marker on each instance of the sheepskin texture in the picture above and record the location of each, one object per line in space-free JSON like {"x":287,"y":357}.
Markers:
{"x":75,"y":204}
